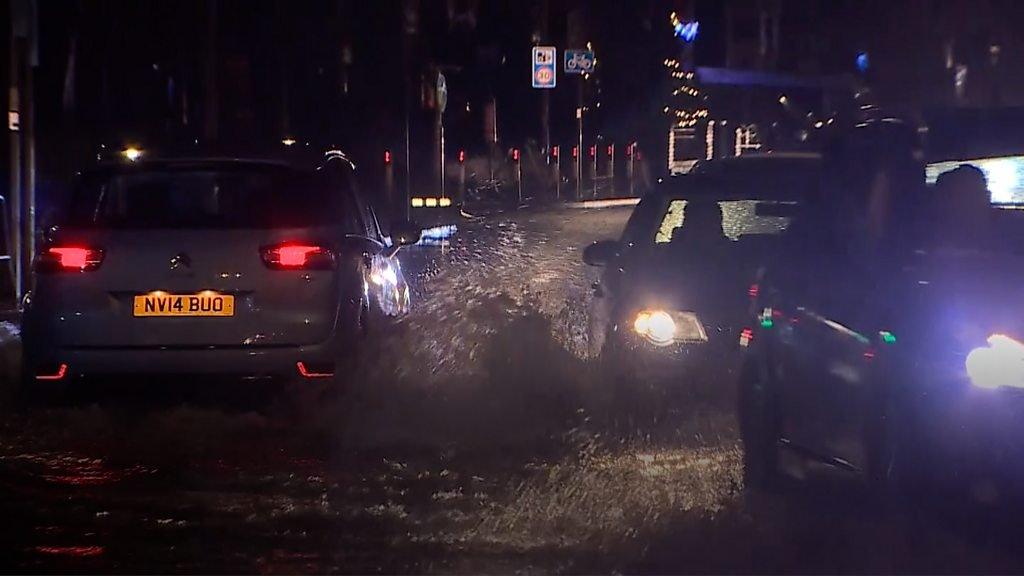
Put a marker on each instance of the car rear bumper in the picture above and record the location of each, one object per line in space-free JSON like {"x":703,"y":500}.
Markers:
{"x":279,"y":362}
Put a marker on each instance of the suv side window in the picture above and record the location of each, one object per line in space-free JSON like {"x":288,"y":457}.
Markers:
{"x":340,"y":181}
{"x":369,"y":221}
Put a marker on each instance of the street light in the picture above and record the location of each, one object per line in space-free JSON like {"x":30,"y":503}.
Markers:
{"x":132,"y":154}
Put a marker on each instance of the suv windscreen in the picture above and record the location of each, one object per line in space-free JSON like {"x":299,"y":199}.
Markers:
{"x":202,"y":197}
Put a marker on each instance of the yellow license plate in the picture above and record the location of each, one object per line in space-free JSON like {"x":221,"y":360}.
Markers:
{"x":202,"y":304}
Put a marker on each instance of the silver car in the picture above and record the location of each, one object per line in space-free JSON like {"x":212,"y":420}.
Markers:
{"x":231,"y":267}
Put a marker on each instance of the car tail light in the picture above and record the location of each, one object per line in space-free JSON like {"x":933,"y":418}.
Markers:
{"x":57,"y":373}
{"x":312,"y":371}
{"x":296,"y":256}
{"x":69,"y":259}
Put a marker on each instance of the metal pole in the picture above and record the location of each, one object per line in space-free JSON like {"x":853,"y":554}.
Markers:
{"x":28,"y":174}
{"x":441,"y":147}
{"x":14,"y":213}
{"x":494,"y":138}
{"x":545,"y":121}
{"x":212,"y":112}
{"x":579,"y":156}
{"x":545,"y":101}
{"x":408,"y":167}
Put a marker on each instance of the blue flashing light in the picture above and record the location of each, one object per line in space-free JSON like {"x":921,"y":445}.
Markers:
{"x":687,"y":31}
{"x":863,"y":62}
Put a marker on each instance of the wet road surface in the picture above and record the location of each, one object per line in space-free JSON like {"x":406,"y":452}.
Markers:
{"x":479,"y":437}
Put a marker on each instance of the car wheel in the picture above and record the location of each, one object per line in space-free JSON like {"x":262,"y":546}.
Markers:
{"x":759,"y":427}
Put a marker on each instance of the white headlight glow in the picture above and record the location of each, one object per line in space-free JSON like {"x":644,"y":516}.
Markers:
{"x":998,"y":365}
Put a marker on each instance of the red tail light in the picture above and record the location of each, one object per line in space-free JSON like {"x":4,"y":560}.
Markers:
{"x":295,"y":256}
{"x":69,"y":259}
{"x":312,"y":372}
{"x":58,"y":374}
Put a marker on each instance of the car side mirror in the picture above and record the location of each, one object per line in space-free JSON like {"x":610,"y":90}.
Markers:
{"x":602,"y":252}
{"x":405,"y":233}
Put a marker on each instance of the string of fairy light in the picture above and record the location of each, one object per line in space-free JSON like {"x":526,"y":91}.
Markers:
{"x":685,"y":105}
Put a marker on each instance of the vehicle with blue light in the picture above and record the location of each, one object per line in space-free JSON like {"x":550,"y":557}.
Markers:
{"x":210,"y":267}
{"x":672,"y":293}
{"x":905,"y":367}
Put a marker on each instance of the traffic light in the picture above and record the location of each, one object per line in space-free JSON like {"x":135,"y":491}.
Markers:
{"x":611,"y":150}
{"x":554,"y":151}
{"x":593,"y":151}
{"x":387,"y":157}
{"x":462,"y":156}
{"x":575,"y":152}
{"x":515,"y":154}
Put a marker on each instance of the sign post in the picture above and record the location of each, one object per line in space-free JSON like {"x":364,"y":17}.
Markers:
{"x":442,"y":104}
{"x":544,"y":68}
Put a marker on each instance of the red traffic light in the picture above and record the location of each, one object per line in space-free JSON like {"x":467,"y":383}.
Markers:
{"x":462,"y":156}
{"x":611,"y":150}
{"x":554,"y":151}
{"x":575,"y":152}
{"x":387,"y":157}
{"x":515,"y":154}
{"x":593,"y":151}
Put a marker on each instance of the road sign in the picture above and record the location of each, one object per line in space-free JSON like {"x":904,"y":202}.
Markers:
{"x":442,"y":92}
{"x":544,"y":67}
{"x":579,"y":61}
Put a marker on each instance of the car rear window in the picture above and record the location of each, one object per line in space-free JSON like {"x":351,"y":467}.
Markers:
{"x":739,"y":218}
{"x":203,"y":197}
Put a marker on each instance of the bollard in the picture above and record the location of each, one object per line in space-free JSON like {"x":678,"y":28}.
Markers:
{"x":630,"y":168}
{"x":519,"y":174}
{"x":611,"y":169}
{"x":462,"y":177}
{"x":593,"y":169}
{"x":577,"y":173}
{"x":558,"y":172}
{"x":389,"y":179}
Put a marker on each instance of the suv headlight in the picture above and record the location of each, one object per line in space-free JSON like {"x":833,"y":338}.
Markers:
{"x":662,"y":327}
{"x":998,"y":365}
